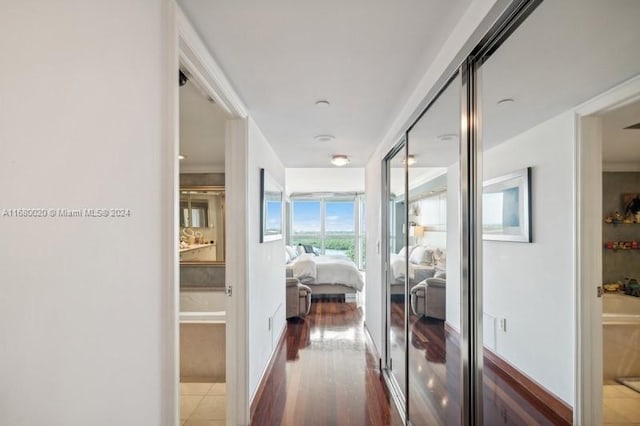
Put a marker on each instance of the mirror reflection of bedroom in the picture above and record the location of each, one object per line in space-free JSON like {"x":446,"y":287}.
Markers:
{"x":422,"y":251}
{"x":325,"y":238}
{"x":201,"y":253}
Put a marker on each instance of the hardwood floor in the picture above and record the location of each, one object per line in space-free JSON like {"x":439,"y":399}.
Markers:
{"x":434,"y":378}
{"x":325,"y":374}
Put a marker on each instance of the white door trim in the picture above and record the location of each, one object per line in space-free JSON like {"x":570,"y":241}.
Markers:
{"x":588,"y":159}
{"x":191,"y":54}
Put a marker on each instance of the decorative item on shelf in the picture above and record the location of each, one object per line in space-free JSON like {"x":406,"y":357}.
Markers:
{"x":190,"y":235}
{"x":617,"y":216}
{"x":608,"y":219}
{"x":632,"y":288}
{"x":622,"y":245}
{"x":611,"y":287}
{"x":628,"y":219}
{"x":631,"y":203}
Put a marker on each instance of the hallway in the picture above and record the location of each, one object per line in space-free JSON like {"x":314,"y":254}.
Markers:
{"x":325,"y":374}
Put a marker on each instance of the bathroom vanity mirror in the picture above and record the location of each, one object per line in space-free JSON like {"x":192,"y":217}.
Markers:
{"x":202,"y":224}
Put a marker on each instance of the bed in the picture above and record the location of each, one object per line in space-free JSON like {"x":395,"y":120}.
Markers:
{"x":326,"y":275}
{"x":424,"y":262}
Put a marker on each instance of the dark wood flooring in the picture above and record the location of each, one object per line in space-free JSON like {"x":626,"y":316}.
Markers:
{"x":327,"y":374}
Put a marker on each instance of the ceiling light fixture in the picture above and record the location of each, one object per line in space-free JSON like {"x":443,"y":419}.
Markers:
{"x":340,"y":160}
{"x":322,"y":103}
{"x":324,"y":138}
{"x":505,"y":101}
{"x":411,"y":160}
{"x":181,"y":157}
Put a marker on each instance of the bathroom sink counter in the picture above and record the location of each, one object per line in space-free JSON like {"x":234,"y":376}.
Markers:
{"x":195,"y":247}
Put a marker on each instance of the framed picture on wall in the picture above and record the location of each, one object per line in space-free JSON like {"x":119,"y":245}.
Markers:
{"x":271,"y":223}
{"x":506,"y":207}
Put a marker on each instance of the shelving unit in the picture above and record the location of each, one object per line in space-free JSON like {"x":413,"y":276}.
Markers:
{"x":623,"y":245}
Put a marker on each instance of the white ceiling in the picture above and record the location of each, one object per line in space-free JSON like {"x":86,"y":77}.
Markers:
{"x":283,"y":56}
{"x":201,"y":131}
{"x":565,"y":53}
{"x":364,"y":56}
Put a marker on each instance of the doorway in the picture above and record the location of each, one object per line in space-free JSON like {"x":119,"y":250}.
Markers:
{"x":606,"y":317}
{"x":193,"y":58}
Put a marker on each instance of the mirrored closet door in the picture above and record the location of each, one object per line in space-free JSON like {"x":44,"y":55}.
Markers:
{"x":396,"y":250}
{"x":434,"y":358}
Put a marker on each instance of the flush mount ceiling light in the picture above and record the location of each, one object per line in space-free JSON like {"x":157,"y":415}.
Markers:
{"x":411,"y":160}
{"x":181,"y":157}
{"x":505,"y":101}
{"x":340,"y":160}
{"x":447,"y":137}
{"x":324,"y":138}
{"x":322,"y":103}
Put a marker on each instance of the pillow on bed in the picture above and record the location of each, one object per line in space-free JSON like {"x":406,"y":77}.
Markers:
{"x":421,"y":256}
{"x":403,"y":251}
{"x":287,"y":257}
{"x":291,"y":251}
{"x":300,"y":250}
{"x":440,"y":259}
{"x":308,"y":248}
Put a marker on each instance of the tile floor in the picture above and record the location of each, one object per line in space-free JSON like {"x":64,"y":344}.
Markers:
{"x":203,"y":404}
{"x":621,"y":406}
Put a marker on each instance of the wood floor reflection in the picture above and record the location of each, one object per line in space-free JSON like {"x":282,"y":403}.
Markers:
{"x":325,"y":374}
{"x":434,"y":383}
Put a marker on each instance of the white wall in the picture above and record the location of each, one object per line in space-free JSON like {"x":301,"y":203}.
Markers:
{"x":84,"y":90}
{"x":374,"y":311}
{"x":265,"y":262}
{"x":532,"y":285}
{"x":325,"y":179}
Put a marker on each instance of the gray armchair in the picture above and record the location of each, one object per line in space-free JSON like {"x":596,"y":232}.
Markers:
{"x":428,"y":298}
{"x":298,"y":298}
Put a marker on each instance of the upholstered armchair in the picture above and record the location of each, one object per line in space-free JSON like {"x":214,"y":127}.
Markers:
{"x":298,"y":298}
{"x":428,"y":298}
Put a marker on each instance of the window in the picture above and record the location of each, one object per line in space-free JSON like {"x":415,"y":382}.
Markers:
{"x":339,"y":222}
{"x":306,"y":223}
{"x":332,"y":225}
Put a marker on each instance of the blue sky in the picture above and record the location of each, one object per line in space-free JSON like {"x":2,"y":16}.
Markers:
{"x":274,"y":215}
{"x":339,"y":216}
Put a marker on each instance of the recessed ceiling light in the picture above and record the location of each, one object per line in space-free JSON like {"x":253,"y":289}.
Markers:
{"x":505,"y":101}
{"x":181,"y":157}
{"x":340,"y":160}
{"x":322,"y":103}
{"x":324,"y":138}
{"x":447,"y":137}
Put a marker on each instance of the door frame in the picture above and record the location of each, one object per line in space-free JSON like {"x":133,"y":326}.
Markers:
{"x":588,"y":251}
{"x":190,"y":52}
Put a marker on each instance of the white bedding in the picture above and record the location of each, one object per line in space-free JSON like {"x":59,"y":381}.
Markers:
{"x":312,"y":269}
{"x":398,"y":266}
